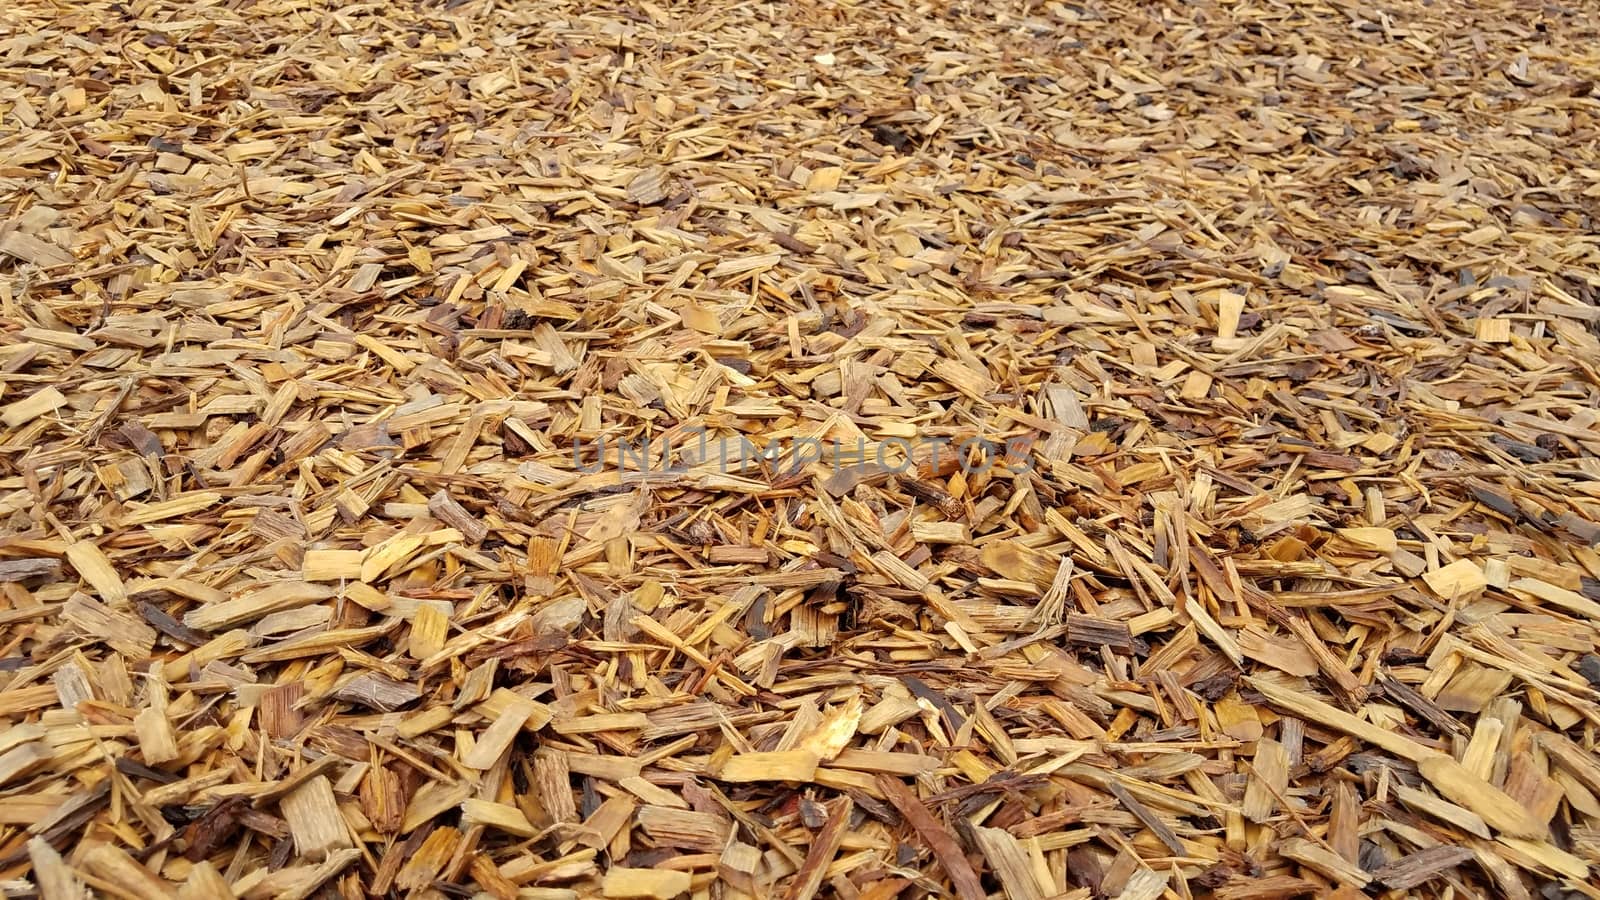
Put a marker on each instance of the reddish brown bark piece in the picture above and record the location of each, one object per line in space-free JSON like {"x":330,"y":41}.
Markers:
{"x":823,"y":847}
{"x":937,"y":837}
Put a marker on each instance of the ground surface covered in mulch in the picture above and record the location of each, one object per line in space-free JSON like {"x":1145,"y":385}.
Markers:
{"x":1177,"y":431}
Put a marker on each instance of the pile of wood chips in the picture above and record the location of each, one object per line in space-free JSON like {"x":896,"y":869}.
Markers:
{"x":1286,"y":586}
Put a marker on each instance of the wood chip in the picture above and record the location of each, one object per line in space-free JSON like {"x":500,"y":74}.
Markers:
{"x":1414,"y":869}
{"x":656,"y":884}
{"x":934,"y":836}
{"x":314,"y":819}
